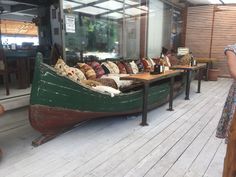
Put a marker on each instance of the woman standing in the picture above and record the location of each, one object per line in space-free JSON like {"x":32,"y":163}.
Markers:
{"x":227,"y":124}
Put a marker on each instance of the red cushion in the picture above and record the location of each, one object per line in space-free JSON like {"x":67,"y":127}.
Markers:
{"x":128,"y":68}
{"x":147,"y":66}
{"x":97,"y":68}
{"x":121,"y":67}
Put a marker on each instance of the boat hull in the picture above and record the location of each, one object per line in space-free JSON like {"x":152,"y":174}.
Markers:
{"x":57,"y":104}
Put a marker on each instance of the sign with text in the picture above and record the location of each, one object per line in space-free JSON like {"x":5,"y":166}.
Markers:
{"x":183,"y":51}
{"x":70,"y":23}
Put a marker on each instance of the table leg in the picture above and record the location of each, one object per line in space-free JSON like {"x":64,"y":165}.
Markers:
{"x":171,"y":94}
{"x":199,"y":80}
{"x":207,"y":70}
{"x":6,"y":83}
{"x":145,"y":104}
{"x":188,"y":85}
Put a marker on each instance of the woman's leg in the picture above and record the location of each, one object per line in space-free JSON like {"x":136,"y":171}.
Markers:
{"x":230,"y":158}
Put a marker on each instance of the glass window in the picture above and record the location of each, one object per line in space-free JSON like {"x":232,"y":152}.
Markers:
{"x":164,"y":28}
{"x":105,"y":29}
{"x":120,"y":29}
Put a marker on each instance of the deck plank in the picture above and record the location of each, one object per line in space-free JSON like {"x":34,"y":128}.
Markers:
{"x":124,"y":165}
{"x":82,"y":170}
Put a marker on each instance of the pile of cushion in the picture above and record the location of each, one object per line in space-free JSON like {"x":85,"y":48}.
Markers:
{"x":104,"y":77}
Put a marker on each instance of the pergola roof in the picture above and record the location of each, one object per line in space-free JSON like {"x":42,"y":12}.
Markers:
{"x":106,"y":8}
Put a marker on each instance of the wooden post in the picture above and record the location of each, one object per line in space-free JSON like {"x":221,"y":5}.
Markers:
{"x":212,"y":29}
{"x":143,"y":33}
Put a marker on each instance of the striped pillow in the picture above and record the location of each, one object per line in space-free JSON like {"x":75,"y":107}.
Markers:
{"x":87,"y":70}
{"x":114,"y":67}
{"x":128,"y":68}
{"x":97,"y":68}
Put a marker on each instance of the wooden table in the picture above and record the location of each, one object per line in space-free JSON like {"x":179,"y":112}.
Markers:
{"x":147,"y":79}
{"x":208,"y":62}
{"x":189,"y":70}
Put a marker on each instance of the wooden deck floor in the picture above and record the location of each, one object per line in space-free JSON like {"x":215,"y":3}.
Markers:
{"x":181,"y":143}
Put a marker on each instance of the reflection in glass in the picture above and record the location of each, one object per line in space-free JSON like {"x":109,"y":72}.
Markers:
{"x":105,"y":29}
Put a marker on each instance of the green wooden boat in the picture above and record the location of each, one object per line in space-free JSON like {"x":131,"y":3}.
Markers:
{"x":57,"y":104}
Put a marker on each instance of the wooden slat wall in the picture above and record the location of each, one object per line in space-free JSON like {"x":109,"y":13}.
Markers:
{"x":224,"y":33}
{"x":198,"y":31}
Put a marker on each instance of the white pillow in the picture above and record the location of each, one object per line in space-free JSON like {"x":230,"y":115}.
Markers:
{"x":150,"y":60}
{"x":168,"y":61}
{"x":107,"y":89}
{"x":108,"y":67}
{"x":114,"y":67}
{"x":134,"y":67}
{"x":79,"y":74}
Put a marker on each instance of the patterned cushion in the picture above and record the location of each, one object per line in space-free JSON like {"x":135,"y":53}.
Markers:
{"x":70,"y":73}
{"x":79,"y":74}
{"x":134,"y":67}
{"x":97,"y":68}
{"x":151,"y":62}
{"x":106,"y":68}
{"x":167,"y":61}
{"x":146,"y":64}
{"x":114,"y":67}
{"x":116,"y":78}
{"x":107,"y":82}
{"x":128,"y":68}
{"x":87,"y":70}
{"x":61,"y":67}
{"x":121,"y":67}
{"x":185,"y":60}
{"x":140,"y":65}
